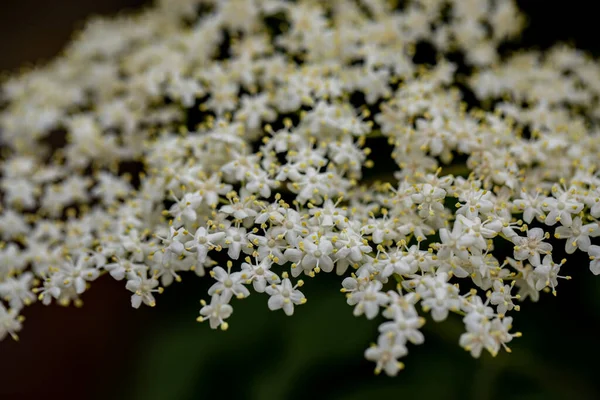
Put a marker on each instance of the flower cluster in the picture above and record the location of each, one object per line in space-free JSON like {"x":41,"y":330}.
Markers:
{"x":233,"y":139}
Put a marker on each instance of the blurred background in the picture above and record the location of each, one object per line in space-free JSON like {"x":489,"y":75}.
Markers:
{"x":107,"y":350}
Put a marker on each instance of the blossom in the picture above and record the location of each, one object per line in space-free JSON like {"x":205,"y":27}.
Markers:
{"x":323,"y":147}
{"x":546,"y":274}
{"x":368,"y":299}
{"x":386,"y":354}
{"x":77,"y":273}
{"x":10,"y":322}
{"x":216,"y":312}
{"x":314,"y":254}
{"x":561,"y":207}
{"x":577,"y":235}
{"x":531,"y":247}
{"x":203,"y":242}
{"x":594,"y":252}
{"x":17,"y":291}
{"x":228,"y":284}
{"x":259,"y":274}
{"x":143,"y":289}
{"x":285,"y":296}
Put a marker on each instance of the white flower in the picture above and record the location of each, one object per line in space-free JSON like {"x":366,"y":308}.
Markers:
{"x":475,"y":231}
{"x":405,"y":328}
{"x":10,"y":322}
{"x":146,"y":148}
{"x":401,"y":305}
{"x":439,"y":296}
{"x":122,"y":267}
{"x":291,"y":226}
{"x":259,"y":273}
{"x":17,"y":291}
{"x":577,"y":235}
{"x":531,"y":247}
{"x":395,"y":262}
{"x":594,"y":252}
{"x":270,"y":245}
{"x":77,"y":273}
{"x":110,"y":188}
{"x":312,"y":185}
{"x":184,"y":209}
{"x":502,"y":297}
{"x":314,"y":254}
{"x":429,"y":200}
{"x":255,"y":109}
{"x":381,"y":229}
{"x":173,"y":245}
{"x":546,"y":274}
{"x":235,"y":241}
{"x":285,"y":296}
{"x":203,"y":242}
{"x":476,"y":201}
{"x":217,"y":312}
{"x":241,"y":209}
{"x":530,"y":205}
{"x":386,"y":354}
{"x":561,"y":206}
{"x":259,"y":181}
{"x":477,"y":338}
{"x":228,"y":283}
{"x":142,"y":288}
{"x":12,"y":259}
{"x":329,"y":214}
{"x":20,"y":193}
{"x":478,"y":312}
{"x":368,"y":299}
{"x":450,"y":243}
{"x":12,"y":224}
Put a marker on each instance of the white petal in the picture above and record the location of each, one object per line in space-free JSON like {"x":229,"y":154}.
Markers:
{"x":136,"y":301}
{"x":275,"y":302}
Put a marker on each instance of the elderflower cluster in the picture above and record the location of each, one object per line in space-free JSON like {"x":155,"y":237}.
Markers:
{"x":233,"y":139}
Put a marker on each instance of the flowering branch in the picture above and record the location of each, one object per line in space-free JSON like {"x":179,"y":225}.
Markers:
{"x":208,"y":140}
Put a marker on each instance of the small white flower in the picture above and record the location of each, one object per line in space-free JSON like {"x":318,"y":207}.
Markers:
{"x":203,"y":242}
{"x":594,"y":253}
{"x":77,"y":273}
{"x":502,"y":297}
{"x":17,"y":291}
{"x":228,"y":284}
{"x":439,"y":296}
{"x":405,"y":328}
{"x":142,"y":288}
{"x":217,"y":312}
{"x":10,"y":323}
{"x":577,"y":235}
{"x":270,"y":245}
{"x":546,"y":274}
{"x":123,"y":267}
{"x":235,"y":241}
{"x":184,"y":209}
{"x":259,"y":273}
{"x":477,"y":338}
{"x":475,"y":202}
{"x":314,"y":254}
{"x":285,"y":296}
{"x":429,"y":199}
{"x":531,"y":247}
{"x":561,"y":207}
{"x":368,"y":299}
{"x":386,"y":354}
{"x":530,"y":205}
